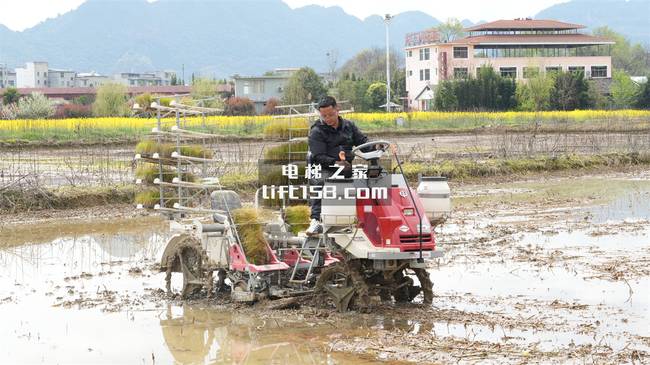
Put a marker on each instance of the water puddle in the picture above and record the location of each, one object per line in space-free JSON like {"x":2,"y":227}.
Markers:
{"x":89,"y":293}
{"x":82,"y":298}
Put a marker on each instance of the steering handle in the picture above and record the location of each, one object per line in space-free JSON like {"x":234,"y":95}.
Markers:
{"x":383,"y":145}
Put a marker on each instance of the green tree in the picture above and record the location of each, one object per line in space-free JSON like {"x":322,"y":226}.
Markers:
{"x":111,"y":101}
{"x":304,"y":86}
{"x":84,"y":100}
{"x":445,"y":97}
{"x":643,"y":98}
{"x":535,"y":94}
{"x":487,"y":91}
{"x":450,"y":30}
{"x":570,"y":92}
{"x":204,"y":92}
{"x":354,"y":91}
{"x":624,"y":91}
{"x":376,"y":95}
{"x":370,"y":64}
{"x":10,"y":96}
{"x":398,"y":85}
{"x":625,"y":56}
{"x":507,"y":99}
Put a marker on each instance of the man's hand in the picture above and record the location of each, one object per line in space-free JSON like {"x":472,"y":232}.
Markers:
{"x":346,"y":165}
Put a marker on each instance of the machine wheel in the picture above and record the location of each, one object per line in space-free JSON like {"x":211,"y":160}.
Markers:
{"x":336,"y":284}
{"x":426,"y":285}
{"x":190,"y":260}
{"x":184,"y":254}
{"x":405,"y":290}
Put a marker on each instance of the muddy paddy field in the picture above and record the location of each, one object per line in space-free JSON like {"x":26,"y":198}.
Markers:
{"x":538,"y":269}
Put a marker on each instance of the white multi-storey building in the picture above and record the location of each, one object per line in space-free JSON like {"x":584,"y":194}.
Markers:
{"x":7,"y":77}
{"x":90,"y":79}
{"x":156,"y":78}
{"x":517,"y":48}
{"x":34,"y":74}
{"x":60,"y":78}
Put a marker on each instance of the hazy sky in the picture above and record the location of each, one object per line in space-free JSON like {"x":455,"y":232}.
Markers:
{"x":22,"y":14}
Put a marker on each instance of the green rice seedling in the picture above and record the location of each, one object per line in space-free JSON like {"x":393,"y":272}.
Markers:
{"x":148,"y":173}
{"x":294,"y":151}
{"x":147,"y":147}
{"x":251,"y":235}
{"x":149,"y":198}
{"x":297,"y":217}
{"x":195,"y":151}
{"x":287,"y":128}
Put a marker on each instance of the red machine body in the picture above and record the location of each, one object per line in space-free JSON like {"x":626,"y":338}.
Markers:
{"x":394,"y":222}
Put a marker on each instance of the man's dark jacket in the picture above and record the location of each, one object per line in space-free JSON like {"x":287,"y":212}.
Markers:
{"x":325,"y":142}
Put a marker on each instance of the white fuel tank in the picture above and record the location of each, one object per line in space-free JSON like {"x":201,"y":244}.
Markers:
{"x":336,"y":209}
{"x":435,"y":195}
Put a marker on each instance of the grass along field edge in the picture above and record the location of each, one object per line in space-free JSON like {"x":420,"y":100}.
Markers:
{"x":35,"y":199}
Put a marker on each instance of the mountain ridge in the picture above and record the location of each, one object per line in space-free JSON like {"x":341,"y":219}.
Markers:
{"x":218,"y":38}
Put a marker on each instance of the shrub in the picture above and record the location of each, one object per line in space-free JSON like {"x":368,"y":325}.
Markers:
{"x":74,"y":111}
{"x":9,"y":111}
{"x":35,"y":106}
{"x":269,"y":108}
{"x":239,"y":106}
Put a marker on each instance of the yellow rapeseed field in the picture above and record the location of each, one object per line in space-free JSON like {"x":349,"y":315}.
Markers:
{"x":258,"y":125}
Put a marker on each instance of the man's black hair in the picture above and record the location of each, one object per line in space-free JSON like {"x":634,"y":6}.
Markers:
{"x":327,"y":101}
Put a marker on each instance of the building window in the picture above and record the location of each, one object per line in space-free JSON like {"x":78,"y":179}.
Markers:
{"x":246,"y":90}
{"x":424,"y":54}
{"x":62,"y":76}
{"x":409,"y":53}
{"x":530,"y":72}
{"x":577,"y":69}
{"x":460,"y":52}
{"x":460,"y":72}
{"x":508,"y":72}
{"x":410,"y":72}
{"x":553,"y":69}
{"x":425,"y":75}
{"x":598,"y":71}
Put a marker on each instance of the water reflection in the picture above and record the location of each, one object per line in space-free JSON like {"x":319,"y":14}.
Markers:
{"x":195,"y":335}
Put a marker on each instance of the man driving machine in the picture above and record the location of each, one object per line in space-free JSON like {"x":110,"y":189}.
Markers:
{"x":331,"y":140}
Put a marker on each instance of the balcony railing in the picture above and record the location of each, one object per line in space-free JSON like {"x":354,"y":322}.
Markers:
{"x":423,"y":37}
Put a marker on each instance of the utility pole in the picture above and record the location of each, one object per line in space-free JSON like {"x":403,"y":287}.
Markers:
{"x":183,"y":73}
{"x":387,"y":21}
